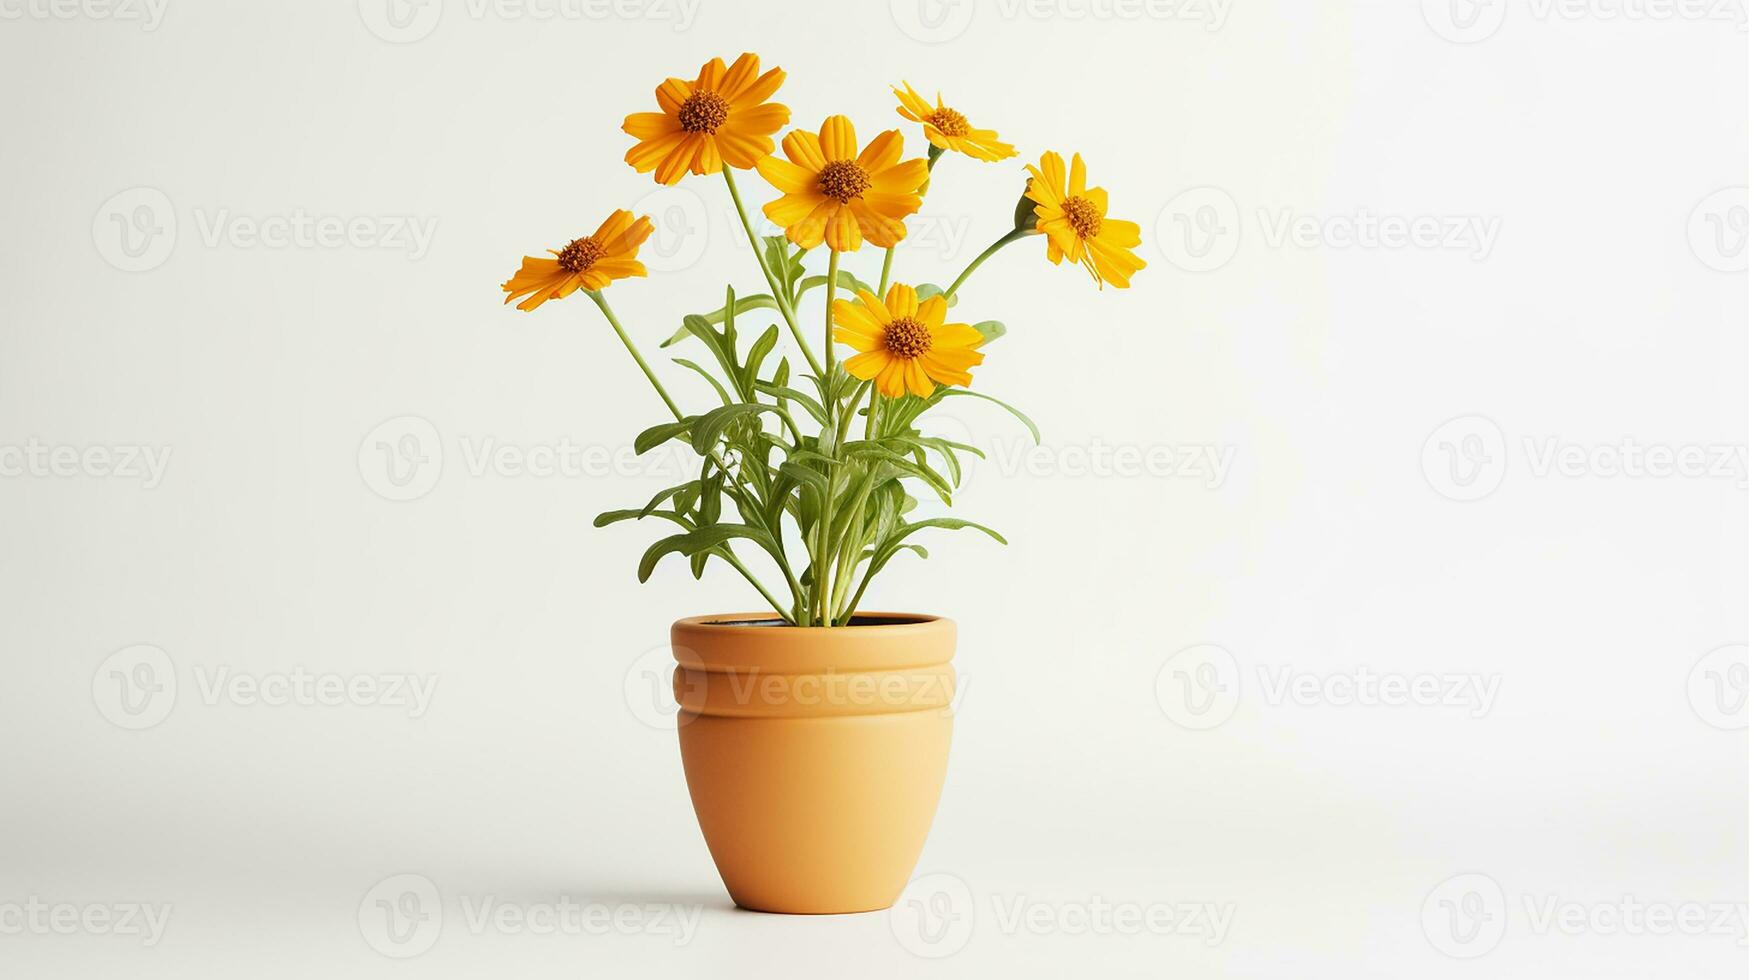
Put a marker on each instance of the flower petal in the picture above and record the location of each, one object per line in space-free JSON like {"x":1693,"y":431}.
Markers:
{"x":883,"y":152}
{"x":838,"y":138}
{"x":672,"y":94}
{"x":902,"y":301}
{"x":650,"y":125}
{"x":803,"y":149}
{"x":868,"y":364}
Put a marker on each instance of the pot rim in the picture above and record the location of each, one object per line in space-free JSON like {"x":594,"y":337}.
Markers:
{"x":732,"y":642}
{"x":761,"y":622}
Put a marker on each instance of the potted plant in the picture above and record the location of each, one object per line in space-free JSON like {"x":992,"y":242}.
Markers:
{"x":815,"y":736}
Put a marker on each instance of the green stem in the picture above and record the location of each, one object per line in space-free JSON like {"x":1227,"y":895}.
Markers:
{"x":742,"y":499}
{"x":996,"y":246}
{"x":783,"y":299}
{"x":618,"y":328}
{"x":886,"y":272}
{"x":823,"y":567}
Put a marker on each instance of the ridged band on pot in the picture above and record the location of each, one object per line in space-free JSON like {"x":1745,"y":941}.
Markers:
{"x":898,"y":663}
{"x":815,"y":757}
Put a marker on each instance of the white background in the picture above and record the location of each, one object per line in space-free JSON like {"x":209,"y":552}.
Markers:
{"x":1607,"y":150}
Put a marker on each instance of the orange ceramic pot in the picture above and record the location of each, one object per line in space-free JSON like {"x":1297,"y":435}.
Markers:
{"x":815,"y":757}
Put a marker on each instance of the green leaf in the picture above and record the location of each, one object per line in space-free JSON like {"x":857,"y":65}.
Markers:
{"x":928,"y":289}
{"x":785,"y":266}
{"x":721,"y":391}
{"x":756,"y":357}
{"x":708,"y":428}
{"x":846,"y":281}
{"x":615,"y":516}
{"x":758,"y":301}
{"x":946,"y":392}
{"x":991,"y":329}
{"x":656,"y":435}
{"x":786,"y":394}
{"x":890,"y":546}
{"x":678,"y":492}
{"x":695,"y":541}
{"x":805,"y":475}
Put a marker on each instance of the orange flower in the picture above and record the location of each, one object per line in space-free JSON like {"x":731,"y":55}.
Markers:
{"x":590,"y":263}
{"x":905,"y":345}
{"x":722,"y":117}
{"x":833,"y":194}
{"x":1072,"y":217}
{"x":948,"y":128}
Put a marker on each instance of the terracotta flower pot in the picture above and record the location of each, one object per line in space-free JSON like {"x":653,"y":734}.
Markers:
{"x":815,"y":757}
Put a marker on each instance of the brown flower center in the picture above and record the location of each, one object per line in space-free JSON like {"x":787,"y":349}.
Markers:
{"x":951,"y":123}
{"x":1083,"y":216}
{"x":703,"y":112}
{"x":579,"y":255}
{"x":843,"y":180}
{"x":908,"y":337}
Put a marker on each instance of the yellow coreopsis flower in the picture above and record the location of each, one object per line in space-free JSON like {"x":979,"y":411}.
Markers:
{"x":591,"y":262}
{"x":1072,"y":217}
{"x":833,"y":194}
{"x":721,"y":117}
{"x":949,"y":129}
{"x":905,"y":345}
